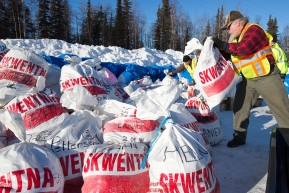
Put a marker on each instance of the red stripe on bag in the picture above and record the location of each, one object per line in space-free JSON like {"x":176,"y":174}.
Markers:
{"x":18,"y":77}
{"x":138,"y":183}
{"x":130,"y":125}
{"x":95,"y":90}
{"x":221,"y":84}
{"x":41,"y":115}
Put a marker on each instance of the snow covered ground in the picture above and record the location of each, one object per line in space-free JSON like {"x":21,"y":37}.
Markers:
{"x":242,"y":169}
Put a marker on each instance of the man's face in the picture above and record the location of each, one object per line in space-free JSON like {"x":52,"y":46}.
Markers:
{"x":235,"y":28}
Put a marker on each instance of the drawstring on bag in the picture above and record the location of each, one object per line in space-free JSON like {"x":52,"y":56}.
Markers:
{"x":143,"y":163}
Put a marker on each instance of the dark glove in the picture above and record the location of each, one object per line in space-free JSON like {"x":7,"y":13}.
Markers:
{"x":218,"y":43}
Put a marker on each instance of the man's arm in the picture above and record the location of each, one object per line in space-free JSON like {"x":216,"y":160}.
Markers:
{"x":253,"y":40}
{"x":179,"y":69}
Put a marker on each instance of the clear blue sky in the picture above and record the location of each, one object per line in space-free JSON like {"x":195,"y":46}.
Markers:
{"x":251,"y":8}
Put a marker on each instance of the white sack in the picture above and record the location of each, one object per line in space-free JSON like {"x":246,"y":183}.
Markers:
{"x":69,"y":143}
{"x":30,"y":168}
{"x":41,"y":114}
{"x":207,"y":119}
{"x":130,"y":129}
{"x":76,"y":75}
{"x":21,"y":70}
{"x":183,"y":117}
{"x":192,"y":45}
{"x":155,"y":103}
{"x":115,"y":168}
{"x":214,"y":76}
{"x":180,"y":162}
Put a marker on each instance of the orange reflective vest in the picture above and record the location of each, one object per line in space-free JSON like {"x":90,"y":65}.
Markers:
{"x":191,"y":68}
{"x":252,"y":65}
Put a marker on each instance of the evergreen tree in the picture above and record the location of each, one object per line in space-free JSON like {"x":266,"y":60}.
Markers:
{"x":44,"y":25}
{"x":97,"y":26}
{"x":222,"y":22}
{"x":67,"y":36}
{"x":16,"y":13}
{"x":166,"y":25}
{"x":208,"y":29}
{"x":119,"y":25}
{"x":6,"y":22}
{"x":218,"y":23}
{"x":157,"y":31}
{"x":56,"y":19}
{"x":127,"y":17}
{"x":162,"y":27}
{"x":30,"y":27}
{"x":88,"y":22}
{"x":273,"y":28}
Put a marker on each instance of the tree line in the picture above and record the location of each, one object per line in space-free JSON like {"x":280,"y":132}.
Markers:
{"x":125,"y":26}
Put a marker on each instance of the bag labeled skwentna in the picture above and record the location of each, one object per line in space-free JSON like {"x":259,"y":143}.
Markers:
{"x":41,"y":114}
{"x":30,"y":168}
{"x":115,"y":167}
{"x":84,"y":76}
{"x":214,"y":76}
{"x":20,"y":71}
{"x":69,"y":143}
{"x":27,"y":167}
{"x":207,"y":119}
{"x":180,"y":162}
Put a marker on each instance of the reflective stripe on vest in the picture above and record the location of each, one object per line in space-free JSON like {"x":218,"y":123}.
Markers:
{"x":280,"y":59}
{"x":252,"y":65}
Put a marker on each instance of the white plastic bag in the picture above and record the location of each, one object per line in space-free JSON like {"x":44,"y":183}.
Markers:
{"x":179,"y":162}
{"x":21,"y":70}
{"x":115,"y":167}
{"x":130,"y":129}
{"x":213,"y":75}
{"x":69,"y":143}
{"x":207,"y":119}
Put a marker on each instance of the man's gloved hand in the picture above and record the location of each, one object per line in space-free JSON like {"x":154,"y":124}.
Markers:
{"x":170,"y":73}
{"x":218,"y":43}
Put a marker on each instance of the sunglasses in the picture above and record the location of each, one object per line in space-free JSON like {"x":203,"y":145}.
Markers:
{"x":229,"y":26}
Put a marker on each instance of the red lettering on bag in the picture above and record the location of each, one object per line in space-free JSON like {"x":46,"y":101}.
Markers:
{"x":74,"y":163}
{"x":187,"y":181}
{"x":163,"y":178}
{"x":129,"y":162}
{"x":86,"y":166}
{"x":213,"y":72}
{"x":18,"y":174}
{"x":74,"y":81}
{"x":120,"y":161}
{"x":48,"y":178}
{"x":33,"y":178}
{"x":29,"y":103}
{"x":94,"y":162}
{"x":5,"y":184}
{"x":200,"y":180}
{"x":173,"y":179}
{"x":23,"y":66}
{"x":64,"y":161}
{"x":108,"y":162}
